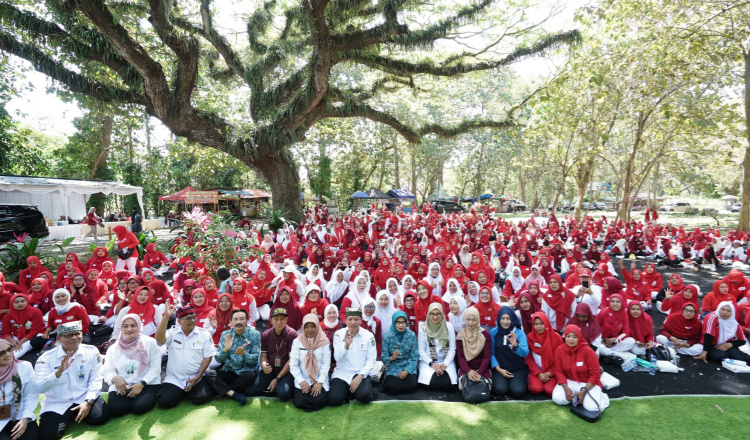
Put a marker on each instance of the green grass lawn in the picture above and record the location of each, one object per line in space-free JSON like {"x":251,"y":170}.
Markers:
{"x":662,"y":418}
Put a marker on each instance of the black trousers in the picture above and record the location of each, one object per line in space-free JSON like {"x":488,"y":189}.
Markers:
{"x":52,"y":425}
{"x":171,"y":395}
{"x":284,"y":388}
{"x":306,"y":402}
{"x":393,"y":385}
{"x":223,"y":382}
{"x":339,"y":391}
{"x":733,"y":353}
{"x":515,"y":386}
{"x":140,"y":404}
{"x":440,"y":383}
{"x":31,"y":433}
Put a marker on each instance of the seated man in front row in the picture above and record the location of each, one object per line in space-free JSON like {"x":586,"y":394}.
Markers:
{"x":191,"y":349}
{"x":70,"y":377}
{"x":355,"y":353}
{"x":275,"y":348}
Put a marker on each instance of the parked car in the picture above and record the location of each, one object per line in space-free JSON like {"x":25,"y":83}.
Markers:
{"x":736,"y":207}
{"x":441,"y":207}
{"x":601,"y":206}
{"x":679,"y":207}
{"x":517,"y":206}
{"x":20,"y":219}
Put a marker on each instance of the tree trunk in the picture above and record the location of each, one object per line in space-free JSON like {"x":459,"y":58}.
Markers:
{"x":281,"y":174}
{"x":521,"y":187}
{"x":99,"y":170}
{"x":395,"y":162}
{"x":412,"y":156}
{"x":744,"y":222}
{"x":654,"y":187}
{"x":557,"y":196}
{"x":478,"y":179}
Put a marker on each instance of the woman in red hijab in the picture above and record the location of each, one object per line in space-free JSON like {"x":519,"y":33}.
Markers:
{"x":641,"y":328}
{"x":126,"y":240}
{"x":576,"y":368}
{"x":382,"y":273}
{"x":39,"y":293}
{"x":487,"y":309}
{"x":526,"y":310}
{"x":653,"y":278}
{"x":557,"y":303}
{"x":543,"y":341}
{"x":220,"y":319}
{"x":610,"y":286}
{"x":615,"y":328}
{"x":636,"y":288}
{"x":585,"y":320}
{"x":719,"y":293}
{"x":158,"y":287}
{"x":201,"y":306}
{"x":673,"y":302}
{"x":97,"y":259}
{"x":33,"y":270}
{"x":142,"y":306}
{"x":294,"y":314}
{"x":23,"y":326}
{"x":424,"y":299}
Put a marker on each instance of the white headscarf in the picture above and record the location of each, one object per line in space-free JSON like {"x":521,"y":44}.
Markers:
{"x":334,"y":289}
{"x":448,"y":295}
{"x":474,"y":298}
{"x":458,"y":320}
{"x":324,"y":322}
{"x":358,"y":298}
{"x":437,"y":291}
{"x":321,"y":233}
{"x":465,"y":257}
{"x":65,"y":308}
{"x":384,"y":314}
{"x":516,"y":281}
{"x":312,"y":278}
{"x":727,"y":327}
{"x":370,"y":320}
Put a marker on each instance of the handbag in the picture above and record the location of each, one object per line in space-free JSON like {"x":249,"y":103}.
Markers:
{"x":660,"y":352}
{"x":474,"y":392}
{"x":589,"y":416}
{"x":126,"y":253}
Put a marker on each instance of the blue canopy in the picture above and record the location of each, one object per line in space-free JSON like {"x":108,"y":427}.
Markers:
{"x":360,"y":195}
{"x":401,"y":194}
{"x":469,"y":199}
{"x":486,"y":196}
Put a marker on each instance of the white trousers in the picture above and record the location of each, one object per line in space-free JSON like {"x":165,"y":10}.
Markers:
{"x":694,"y":350}
{"x":558,"y":396}
{"x":130,"y":263}
{"x":264,"y":311}
{"x":626,"y":344}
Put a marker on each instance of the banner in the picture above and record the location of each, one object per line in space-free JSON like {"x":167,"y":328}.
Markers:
{"x":197,"y":197}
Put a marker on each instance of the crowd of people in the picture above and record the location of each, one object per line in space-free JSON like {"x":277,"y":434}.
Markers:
{"x":398,"y":301}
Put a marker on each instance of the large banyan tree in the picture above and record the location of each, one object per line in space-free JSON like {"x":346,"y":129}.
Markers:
{"x":170,"y":57}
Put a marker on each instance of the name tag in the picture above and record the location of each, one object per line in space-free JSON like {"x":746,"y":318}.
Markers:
{"x":158,"y":299}
{"x":742,"y":288}
{"x":536,"y":344}
{"x":58,"y":321}
{"x":579,"y":364}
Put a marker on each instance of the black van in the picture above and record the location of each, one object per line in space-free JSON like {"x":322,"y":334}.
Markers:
{"x":19,"y":219}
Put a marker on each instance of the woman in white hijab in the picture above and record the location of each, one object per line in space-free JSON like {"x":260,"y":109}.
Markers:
{"x":435,"y":279}
{"x":456,"y":316}
{"x":337,"y":287}
{"x":453,"y":290}
{"x":464,"y":256}
{"x":315,"y":274}
{"x":515,"y":279}
{"x":384,"y":310}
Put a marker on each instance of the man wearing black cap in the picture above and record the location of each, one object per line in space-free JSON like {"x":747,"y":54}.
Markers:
{"x":70,"y":377}
{"x":355,"y":354}
{"x":190,"y":351}
{"x":275,"y":347}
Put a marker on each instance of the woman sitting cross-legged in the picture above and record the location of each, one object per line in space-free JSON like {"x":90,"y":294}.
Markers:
{"x":723,"y":336}
{"x":543,"y":341}
{"x":474,"y":352}
{"x":437,"y":351}
{"x":400,"y":356}
{"x":577,"y":371}
{"x":309,"y":363}
{"x":509,"y":349}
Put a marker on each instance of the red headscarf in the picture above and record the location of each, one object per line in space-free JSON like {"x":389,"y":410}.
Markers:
{"x":682,"y":328}
{"x":146,"y":311}
{"x":526,"y":315}
{"x":421,"y":305}
{"x":36,"y":298}
{"x":294,"y":314}
{"x":567,"y":358}
{"x":590,"y":328}
{"x":614,"y":323}
{"x":614,"y":287}
{"x":544,"y":344}
{"x":641,"y":328}
{"x":201,"y":312}
{"x":653,"y":277}
{"x":560,"y":301}
{"x":676,"y":288}
{"x":223,"y":318}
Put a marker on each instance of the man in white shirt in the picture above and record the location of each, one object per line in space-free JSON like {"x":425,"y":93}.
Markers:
{"x":587,"y":291}
{"x":355,"y":354}
{"x":70,"y":377}
{"x":190,"y":351}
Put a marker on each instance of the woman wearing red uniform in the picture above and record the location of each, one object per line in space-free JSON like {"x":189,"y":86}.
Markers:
{"x":23,"y":326}
{"x":576,"y":368}
{"x":65,"y":312}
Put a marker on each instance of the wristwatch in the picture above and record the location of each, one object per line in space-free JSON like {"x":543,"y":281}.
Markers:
{"x":90,"y":401}
{"x":144,"y":383}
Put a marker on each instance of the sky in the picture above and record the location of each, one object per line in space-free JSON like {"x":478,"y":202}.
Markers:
{"x":50,"y":115}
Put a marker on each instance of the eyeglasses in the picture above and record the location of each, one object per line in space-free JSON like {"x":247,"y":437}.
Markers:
{"x":71,"y":335}
{"x":192,"y":317}
{"x":436,"y":315}
{"x":370,"y":307}
{"x":6,"y":351}
{"x":582,"y":316}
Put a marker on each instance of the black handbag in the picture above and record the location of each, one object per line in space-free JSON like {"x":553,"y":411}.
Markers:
{"x":474,"y":392}
{"x":610,"y":360}
{"x":660,"y":352}
{"x":589,"y":416}
{"x":126,"y":253}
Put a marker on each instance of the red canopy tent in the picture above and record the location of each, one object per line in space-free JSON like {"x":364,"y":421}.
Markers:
{"x":179,"y":196}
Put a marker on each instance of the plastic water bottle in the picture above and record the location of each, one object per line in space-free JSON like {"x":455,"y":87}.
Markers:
{"x":652,"y":367}
{"x":629,"y":365}
{"x":676,"y":360}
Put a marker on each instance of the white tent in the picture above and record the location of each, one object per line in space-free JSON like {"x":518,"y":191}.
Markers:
{"x":60,"y":197}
